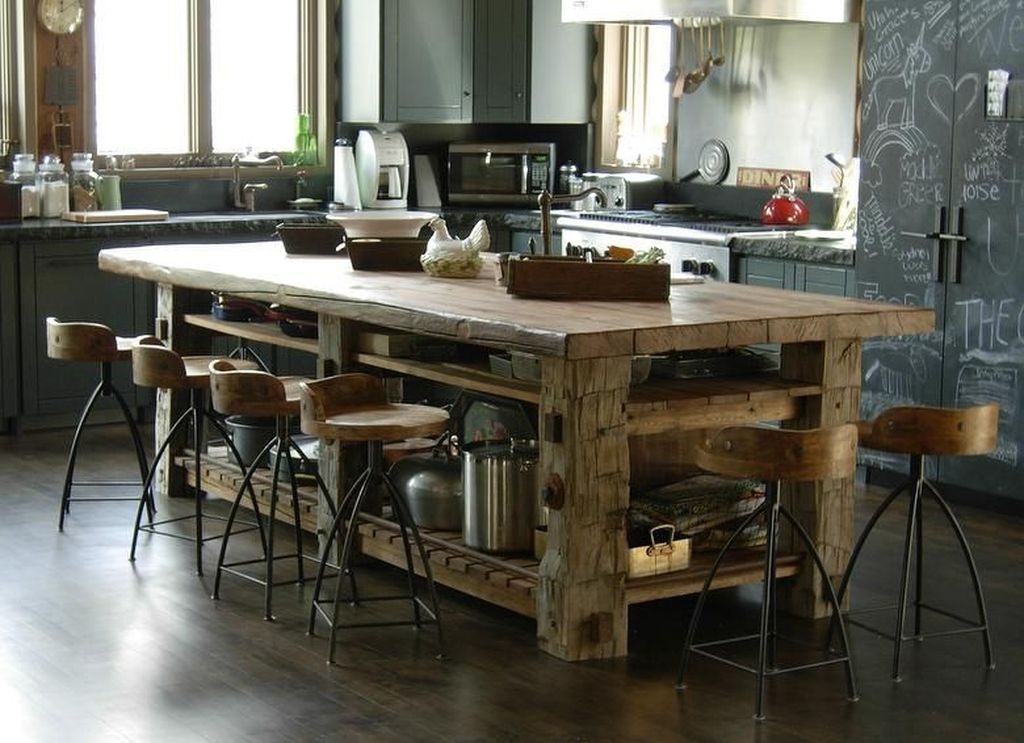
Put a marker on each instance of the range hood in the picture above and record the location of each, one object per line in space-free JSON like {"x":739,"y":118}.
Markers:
{"x":641,"y":11}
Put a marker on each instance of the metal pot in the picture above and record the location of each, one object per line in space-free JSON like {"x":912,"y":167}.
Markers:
{"x":502,"y":489}
{"x":432,"y":486}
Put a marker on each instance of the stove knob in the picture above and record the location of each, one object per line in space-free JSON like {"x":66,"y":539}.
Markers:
{"x":690,"y":265}
{"x":619,"y":202}
{"x":706,"y":268}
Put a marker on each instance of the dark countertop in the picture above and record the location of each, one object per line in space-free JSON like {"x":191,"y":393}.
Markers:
{"x":460,"y":221}
{"x":794,"y":249}
{"x":217,"y":223}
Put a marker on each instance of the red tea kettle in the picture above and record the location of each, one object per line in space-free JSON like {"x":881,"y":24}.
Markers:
{"x":785,"y":207}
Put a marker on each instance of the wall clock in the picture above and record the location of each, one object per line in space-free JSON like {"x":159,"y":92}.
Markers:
{"x":60,"y":16}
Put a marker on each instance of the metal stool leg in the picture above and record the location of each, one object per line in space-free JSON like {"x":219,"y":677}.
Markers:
{"x":767,"y":598}
{"x":973,"y":568}
{"x":104,"y":388}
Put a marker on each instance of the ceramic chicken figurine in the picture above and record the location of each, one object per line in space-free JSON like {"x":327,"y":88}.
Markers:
{"x":452,"y":257}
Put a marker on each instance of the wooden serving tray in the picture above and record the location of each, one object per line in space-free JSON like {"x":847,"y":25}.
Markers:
{"x":545,"y":277}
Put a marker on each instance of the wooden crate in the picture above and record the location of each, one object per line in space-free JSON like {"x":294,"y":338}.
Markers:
{"x":542,"y":277}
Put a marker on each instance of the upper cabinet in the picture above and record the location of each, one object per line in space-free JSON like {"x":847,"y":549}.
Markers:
{"x":431,"y":61}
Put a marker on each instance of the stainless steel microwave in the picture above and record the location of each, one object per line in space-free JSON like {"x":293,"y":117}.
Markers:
{"x":500,"y":173}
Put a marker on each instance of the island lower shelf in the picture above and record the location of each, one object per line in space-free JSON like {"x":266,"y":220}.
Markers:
{"x":507,"y":581}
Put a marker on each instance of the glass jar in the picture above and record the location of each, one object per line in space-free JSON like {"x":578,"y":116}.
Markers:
{"x":53,"y":187}
{"x":83,"y":183}
{"x":24,"y":172}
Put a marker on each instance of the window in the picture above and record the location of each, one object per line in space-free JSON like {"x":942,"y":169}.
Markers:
{"x":637,"y":117}
{"x":175,"y":78}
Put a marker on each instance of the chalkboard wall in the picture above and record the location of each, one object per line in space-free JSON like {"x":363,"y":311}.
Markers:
{"x":933,"y":162}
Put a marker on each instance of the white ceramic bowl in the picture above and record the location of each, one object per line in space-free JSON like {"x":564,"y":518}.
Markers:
{"x":381,"y":222}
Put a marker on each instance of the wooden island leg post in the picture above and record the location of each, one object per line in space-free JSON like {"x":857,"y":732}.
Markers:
{"x":581,"y":599}
{"x":824,"y":508}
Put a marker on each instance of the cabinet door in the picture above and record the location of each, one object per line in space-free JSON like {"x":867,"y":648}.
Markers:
{"x":817,"y":279}
{"x":62,"y":279}
{"x":983,"y":320}
{"x":8,"y":332}
{"x":765,"y":272}
{"x":428,"y":60}
{"x":501,"y":43}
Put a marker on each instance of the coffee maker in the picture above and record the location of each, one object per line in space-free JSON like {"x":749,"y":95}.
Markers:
{"x":382,"y":168}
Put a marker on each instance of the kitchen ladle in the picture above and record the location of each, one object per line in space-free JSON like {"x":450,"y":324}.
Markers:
{"x":719,"y":60}
{"x":693,"y":79}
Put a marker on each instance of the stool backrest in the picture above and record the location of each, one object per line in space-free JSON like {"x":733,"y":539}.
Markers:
{"x":156,"y":365}
{"x":322,"y":398}
{"x":235,"y":391}
{"x":780,"y":454}
{"x":80,"y":341}
{"x":928,"y":430}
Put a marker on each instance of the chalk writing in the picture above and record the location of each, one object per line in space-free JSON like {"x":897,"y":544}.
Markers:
{"x":876,"y":230}
{"x":1006,"y":265}
{"x":981,"y":16}
{"x":990,"y":324}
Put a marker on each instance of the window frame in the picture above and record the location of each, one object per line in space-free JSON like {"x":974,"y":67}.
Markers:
{"x":317,"y":93}
{"x":609,"y":81}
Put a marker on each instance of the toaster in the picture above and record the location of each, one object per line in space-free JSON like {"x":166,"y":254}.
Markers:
{"x":630,"y":190}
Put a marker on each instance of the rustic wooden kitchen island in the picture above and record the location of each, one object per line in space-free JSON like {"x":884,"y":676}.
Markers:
{"x":589,"y":416}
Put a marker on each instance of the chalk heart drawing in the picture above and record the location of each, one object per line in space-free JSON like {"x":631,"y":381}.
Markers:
{"x":942,"y":94}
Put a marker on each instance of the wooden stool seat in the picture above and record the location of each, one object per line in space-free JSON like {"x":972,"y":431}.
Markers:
{"x":97,"y":343}
{"x":156,"y":365}
{"x":774,"y":455}
{"x":921,"y":431}
{"x":235,"y":390}
{"x":353,"y":408}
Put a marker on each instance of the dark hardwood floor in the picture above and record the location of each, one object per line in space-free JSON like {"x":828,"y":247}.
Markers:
{"x":93,"y":648}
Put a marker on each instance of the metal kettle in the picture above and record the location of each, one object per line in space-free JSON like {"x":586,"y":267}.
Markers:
{"x":785,"y":207}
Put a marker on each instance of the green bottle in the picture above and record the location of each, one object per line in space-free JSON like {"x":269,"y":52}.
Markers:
{"x":305,"y":143}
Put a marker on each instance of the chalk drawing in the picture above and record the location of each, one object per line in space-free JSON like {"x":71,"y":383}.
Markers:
{"x":892,"y":98}
{"x":943,"y":95}
{"x":979,"y":385}
{"x":899,"y":370}
{"x":1006,"y":264}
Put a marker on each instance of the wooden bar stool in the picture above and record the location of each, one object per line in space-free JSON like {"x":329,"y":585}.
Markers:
{"x":258,"y":393}
{"x":773,"y":455}
{"x":93,"y":342}
{"x":354,"y":408}
{"x":155,"y":365}
{"x":919,"y":432}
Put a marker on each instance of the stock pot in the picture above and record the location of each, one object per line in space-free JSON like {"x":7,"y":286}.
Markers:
{"x":501,"y":484}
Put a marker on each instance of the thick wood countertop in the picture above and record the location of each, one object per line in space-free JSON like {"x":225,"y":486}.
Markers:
{"x":710,"y":315}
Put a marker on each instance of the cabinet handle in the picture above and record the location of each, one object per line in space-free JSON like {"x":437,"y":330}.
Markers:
{"x":955,"y":238}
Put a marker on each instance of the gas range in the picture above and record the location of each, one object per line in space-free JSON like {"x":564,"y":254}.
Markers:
{"x":694,"y":242}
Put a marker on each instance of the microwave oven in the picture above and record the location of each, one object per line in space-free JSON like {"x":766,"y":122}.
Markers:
{"x":500,"y":173}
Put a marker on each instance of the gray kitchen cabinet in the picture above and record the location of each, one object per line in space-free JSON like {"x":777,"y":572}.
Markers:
{"x":795,"y":275}
{"x":62,"y":279}
{"x":501,"y":60}
{"x":489,"y":61}
{"x":8,"y":334}
{"x":406,"y":60}
{"x":528,"y":66}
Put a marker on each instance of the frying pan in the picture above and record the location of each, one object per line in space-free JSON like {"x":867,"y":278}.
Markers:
{"x":712,"y":163}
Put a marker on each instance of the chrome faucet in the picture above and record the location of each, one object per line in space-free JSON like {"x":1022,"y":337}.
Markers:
{"x":245,"y":196}
{"x":546,"y":199}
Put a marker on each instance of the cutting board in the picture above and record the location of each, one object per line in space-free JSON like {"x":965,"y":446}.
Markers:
{"x":116,"y":215}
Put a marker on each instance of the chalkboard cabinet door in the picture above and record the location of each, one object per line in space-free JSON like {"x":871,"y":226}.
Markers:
{"x":428,"y":60}
{"x":62,"y":279}
{"x":8,"y":333}
{"x":941,"y":221}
